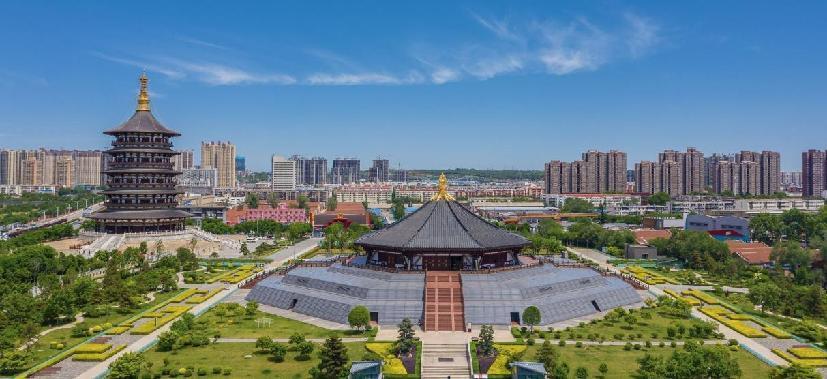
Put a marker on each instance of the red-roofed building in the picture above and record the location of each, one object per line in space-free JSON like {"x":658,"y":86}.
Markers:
{"x":753,"y":253}
{"x":645,"y":236}
{"x":282,"y":213}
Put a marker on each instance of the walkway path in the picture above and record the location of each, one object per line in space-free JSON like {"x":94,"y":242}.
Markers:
{"x":291,"y":252}
{"x":285,"y":340}
{"x":755,"y":347}
{"x":78,"y":319}
{"x":445,"y":360}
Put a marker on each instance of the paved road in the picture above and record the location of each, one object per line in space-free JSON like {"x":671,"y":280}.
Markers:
{"x":291,"y":252}
{"x":278,"y":258}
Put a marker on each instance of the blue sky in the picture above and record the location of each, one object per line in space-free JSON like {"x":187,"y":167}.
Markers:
{"x":426,"y":84}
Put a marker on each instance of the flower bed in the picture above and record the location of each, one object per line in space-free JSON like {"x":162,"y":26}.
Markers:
{"x":204,"y":297}
{"x":500,"y":365}
{"x":744,"y":329}
{"x":98,"y":357}
{"x":804,"y":362}
{"x":391,"y":364}
{"x":702,"y":296}
{"x":92,"y":348}
{"x":183,"y":296}
{"x":171,"y":313}
{"x":775,"y":332}
{"x":739,"y":316}
{"x":117,"y":330}
{"x":808,"y":353}
{"x":686,"y":299}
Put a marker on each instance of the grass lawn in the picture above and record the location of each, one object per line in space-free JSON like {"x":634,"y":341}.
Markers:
{"x":232,"y":355}
{"x":280,"y":327}
{"x":40,"y":351}
{"x":645,"y":327}
{"x":623,"y":363}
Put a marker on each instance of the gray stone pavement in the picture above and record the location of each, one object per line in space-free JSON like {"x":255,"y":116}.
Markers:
{"x":684,"y":287}
{"x":291,"y":252}
{"x":285,"y":340}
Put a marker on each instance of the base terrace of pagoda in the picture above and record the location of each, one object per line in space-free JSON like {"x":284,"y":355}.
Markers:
{"x":438,"y":260}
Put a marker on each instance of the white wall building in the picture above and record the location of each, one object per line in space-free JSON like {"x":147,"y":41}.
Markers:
{"x":284,"y":174}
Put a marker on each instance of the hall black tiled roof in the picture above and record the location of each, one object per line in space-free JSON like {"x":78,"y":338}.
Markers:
{"x":442,"y":226}
{"x":142,"y":122}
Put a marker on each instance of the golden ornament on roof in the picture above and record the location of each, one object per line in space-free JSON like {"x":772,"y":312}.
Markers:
{"x":442,"y":189}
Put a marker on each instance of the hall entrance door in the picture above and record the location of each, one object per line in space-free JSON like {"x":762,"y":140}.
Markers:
{"x":456,"y":263}
{"x":436,"y":263}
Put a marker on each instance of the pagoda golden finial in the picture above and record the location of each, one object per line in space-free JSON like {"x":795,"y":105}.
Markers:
{"x":143,"y":94}
{"x":442,"y":189}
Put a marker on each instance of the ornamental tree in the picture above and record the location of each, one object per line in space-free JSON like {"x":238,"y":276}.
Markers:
{"x":359,"y":317}
{"x":531,"y":316}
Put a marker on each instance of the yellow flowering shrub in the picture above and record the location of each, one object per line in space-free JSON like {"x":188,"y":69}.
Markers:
{"x":391,"y":364}
{"x":808,"y":352}
{"x":500,"y":365}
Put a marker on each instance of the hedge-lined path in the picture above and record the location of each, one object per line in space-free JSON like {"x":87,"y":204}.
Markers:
{"x":286,"y":340}
{"x":78,"y":319}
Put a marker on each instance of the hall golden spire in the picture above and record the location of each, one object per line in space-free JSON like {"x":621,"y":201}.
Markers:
{"x":442,"y":189}
{"x":143,"y":95}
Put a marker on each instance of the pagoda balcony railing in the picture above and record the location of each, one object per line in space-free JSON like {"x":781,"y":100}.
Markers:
{"x":152,"y":165}
{"x":141,"y":186}
{"x":127,"y":207}
{"x":152,"y":145}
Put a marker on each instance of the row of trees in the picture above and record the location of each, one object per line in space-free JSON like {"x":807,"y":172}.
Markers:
{"x":51,"y":233}
{"x":793,"y":225}
{"x":336,"y":236}
{"x":31,"y":206}
{"x":292,"y":231}
{"x":550,"y":236}
{"x":40,"y":287}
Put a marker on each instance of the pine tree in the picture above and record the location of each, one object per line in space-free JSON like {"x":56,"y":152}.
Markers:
{"x":405,"y":341}
{"x":547,"y":355}
{"x":486,"y":342}
{"x":333,"y":364}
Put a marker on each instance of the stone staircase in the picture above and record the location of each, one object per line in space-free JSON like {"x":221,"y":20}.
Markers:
{"x":440,"y":361}
{"x":104,"y":242}
{"x":444,"y":309}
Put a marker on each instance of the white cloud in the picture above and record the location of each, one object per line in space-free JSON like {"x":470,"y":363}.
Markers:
{"x":199,"y":42}
{"x":528,"y":47}
{"x":361,"y":79}
{"x":221,"y":75}
{"x":643,"y":34}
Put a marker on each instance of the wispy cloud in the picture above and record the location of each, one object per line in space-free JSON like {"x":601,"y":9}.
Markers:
{"x":200,"y":42}
{"x":9,"y":78}
{"x":363,"y":79}
{"x":530,"y":46}
{"x":203,"y":71}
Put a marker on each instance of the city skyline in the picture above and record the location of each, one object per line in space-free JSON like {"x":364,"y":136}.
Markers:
{"x":531,"y":82}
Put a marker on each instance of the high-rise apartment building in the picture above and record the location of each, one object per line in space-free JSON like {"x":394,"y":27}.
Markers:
{"x":690,"y":167}
{"x":345,"y":171}
{"x":62,"y":168}
{"x":9,"y":167}
{"x":671,"y":176}
{"x":709,"y":167}
{"x":596,"y":172}
{"x":791,"y":179}
{"x":64,"y":172}
{"x":380,"y":171}
{"x":647,"y":177}
{"x":283,"y":174}
{"x":770,"y":166}
{"x":726,"y":176}
{"x":184,"y":160}
{"x":750,"y":178}
{"x":310,"y":171}
{"x":221,"y":157}
{"x":240,"y":164}
{"x":88,"y":168}
{"x":813,"y":175}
